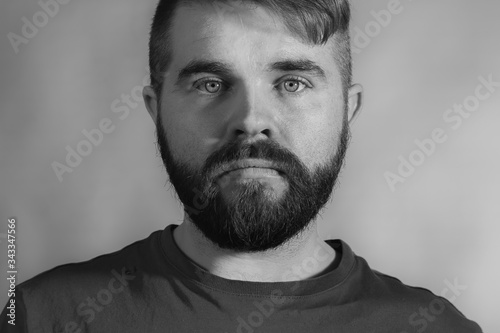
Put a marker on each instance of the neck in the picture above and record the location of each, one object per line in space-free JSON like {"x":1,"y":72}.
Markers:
{"x":302,"y":257}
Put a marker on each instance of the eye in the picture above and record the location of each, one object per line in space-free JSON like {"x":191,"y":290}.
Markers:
{"x":213,"y":87}
{"x":292,"y":86}
{"x":209,"y":86}
{"x":295,"y":85}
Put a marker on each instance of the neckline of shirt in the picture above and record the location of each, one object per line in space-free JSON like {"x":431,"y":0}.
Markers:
{"x":188,"y":270}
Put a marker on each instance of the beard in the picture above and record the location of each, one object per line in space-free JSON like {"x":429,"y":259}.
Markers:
{"x":251,"y":220}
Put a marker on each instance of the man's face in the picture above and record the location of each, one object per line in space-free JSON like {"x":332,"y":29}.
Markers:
{"x":251,"y":125}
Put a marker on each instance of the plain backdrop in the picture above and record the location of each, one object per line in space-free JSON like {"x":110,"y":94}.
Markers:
{"x":440,"y":226}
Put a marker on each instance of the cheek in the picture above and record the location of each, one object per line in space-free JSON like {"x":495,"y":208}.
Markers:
{"x":316,"y":133}
{"x":318,"y":146}
{"x":183,"y":134}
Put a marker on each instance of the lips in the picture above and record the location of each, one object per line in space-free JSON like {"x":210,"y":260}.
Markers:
{"x":248,"y":163}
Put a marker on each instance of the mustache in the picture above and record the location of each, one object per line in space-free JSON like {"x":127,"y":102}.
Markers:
{"x":268,"y":150}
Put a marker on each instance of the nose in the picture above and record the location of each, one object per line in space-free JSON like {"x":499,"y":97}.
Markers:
{"x":253,"y":115}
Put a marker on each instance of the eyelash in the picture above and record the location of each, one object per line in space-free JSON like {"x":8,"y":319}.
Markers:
{"x":201,"y":82}
{"x":204,"y":81}
{"x":306,"y":83}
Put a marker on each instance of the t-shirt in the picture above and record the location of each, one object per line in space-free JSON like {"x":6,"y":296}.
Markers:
{"x":152,"y":286}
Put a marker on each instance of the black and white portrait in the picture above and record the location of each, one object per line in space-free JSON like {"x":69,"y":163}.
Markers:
{"x":249,"y":166}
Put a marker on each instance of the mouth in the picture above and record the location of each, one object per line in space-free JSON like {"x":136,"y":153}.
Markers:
{"x":251,"y":167}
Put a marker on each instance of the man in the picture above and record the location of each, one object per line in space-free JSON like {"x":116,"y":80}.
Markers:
{"x":252,"y":101}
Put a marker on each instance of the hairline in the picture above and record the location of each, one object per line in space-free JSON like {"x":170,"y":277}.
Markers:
{"x":339,"y":49}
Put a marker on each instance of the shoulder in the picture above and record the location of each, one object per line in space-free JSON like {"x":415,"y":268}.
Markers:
{"x":418,"y":309}
{"x":66,"y":287}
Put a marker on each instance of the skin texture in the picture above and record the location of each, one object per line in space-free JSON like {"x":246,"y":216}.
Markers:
{"x":253,"y":104}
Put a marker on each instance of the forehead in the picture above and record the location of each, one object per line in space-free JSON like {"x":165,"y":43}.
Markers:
{"x":245,"y":35}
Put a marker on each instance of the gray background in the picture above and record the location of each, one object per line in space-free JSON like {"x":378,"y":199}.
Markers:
{"x":440,"y":225}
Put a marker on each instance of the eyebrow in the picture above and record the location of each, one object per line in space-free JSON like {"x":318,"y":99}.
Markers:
{"x":203,"y":66}
{"x":300,"y":65}
{"x":223,"y":69}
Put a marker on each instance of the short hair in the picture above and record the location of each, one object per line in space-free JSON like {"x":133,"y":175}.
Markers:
{"x":315,"y":21}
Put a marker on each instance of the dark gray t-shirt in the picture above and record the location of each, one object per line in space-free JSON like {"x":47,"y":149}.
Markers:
{"x":151,"y":286}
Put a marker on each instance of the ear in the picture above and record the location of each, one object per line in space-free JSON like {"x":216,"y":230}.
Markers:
{"x":354,"y":102}
{"x":151,"y":101}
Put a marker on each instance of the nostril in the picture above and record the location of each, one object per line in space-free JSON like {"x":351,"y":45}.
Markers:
{"x":266,"y":132}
